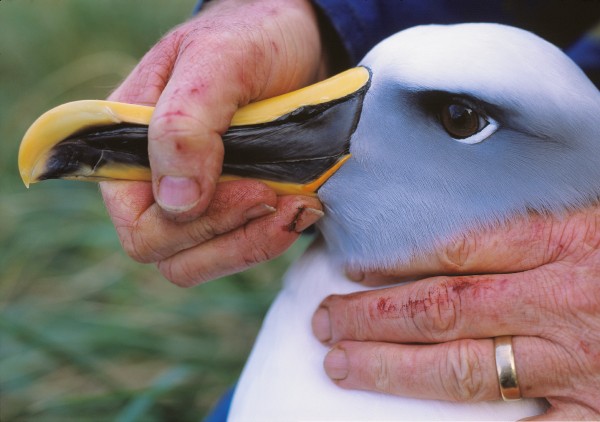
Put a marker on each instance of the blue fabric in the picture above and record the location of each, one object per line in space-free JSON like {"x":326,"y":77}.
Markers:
{"x":586,"y":53}
{"x":221,"y":410}
{"x":199,"y":6}
{"x":363,"y":23}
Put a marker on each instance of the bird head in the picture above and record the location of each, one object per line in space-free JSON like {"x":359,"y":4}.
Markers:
{"x":442,"y":130}
{"x":464,"y":127}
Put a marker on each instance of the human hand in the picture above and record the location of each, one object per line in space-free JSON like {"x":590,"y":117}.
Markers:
{"x":536,"y":279}
{"x":232,"y":53}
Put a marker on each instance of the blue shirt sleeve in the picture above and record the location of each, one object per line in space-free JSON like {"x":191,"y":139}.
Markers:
{"x":360,"y":24}
{"x":363,"y":23}
{"x":586,"y":53}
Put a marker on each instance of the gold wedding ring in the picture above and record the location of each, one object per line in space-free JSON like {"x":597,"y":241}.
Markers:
{"x":505,"y":365}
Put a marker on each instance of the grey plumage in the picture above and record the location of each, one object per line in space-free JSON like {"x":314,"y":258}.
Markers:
{"x":410,"y":185}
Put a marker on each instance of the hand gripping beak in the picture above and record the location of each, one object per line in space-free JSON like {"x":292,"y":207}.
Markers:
{"x":293,"y":142}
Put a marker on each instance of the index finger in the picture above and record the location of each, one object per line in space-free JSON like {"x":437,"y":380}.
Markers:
{"x":437,"y":310}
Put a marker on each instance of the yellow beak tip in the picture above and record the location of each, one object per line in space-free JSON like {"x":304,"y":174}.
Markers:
{"x":26,"y":177}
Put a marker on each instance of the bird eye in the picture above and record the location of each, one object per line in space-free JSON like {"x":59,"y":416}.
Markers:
{"x":465,"y":124}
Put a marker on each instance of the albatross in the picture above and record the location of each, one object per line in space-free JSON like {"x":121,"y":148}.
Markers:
{"x":440,"y":131}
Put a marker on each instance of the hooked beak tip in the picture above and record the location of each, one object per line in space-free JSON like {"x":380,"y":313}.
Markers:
{"x":26,"y":178}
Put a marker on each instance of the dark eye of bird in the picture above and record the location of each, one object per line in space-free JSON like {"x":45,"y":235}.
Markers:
{"x":460,"y":121}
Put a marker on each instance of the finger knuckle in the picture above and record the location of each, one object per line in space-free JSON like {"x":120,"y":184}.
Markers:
{"x":561,"y":239}
{"x":152,"y":74}
{"x":139,"y":249}
{"x":591,"y":229}
{"x":380,"y":369}
{"x":360,"y":319}
{"x":462,"y":374}
{"x":440,"y":308}
{"x":256,"y":251}
{"x":178,"y":272}
{"x":173,"y":125}
{"x":456,"y":256}
{"x":201,"y":231}
{"x":136,"y":245}
{"x":255,"y":256}
{"x":188,"y":38}
{"x":150,"y":80}
{"x":576,"y":238}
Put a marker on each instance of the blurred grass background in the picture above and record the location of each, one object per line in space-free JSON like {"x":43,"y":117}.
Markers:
{"x":86,"y":334}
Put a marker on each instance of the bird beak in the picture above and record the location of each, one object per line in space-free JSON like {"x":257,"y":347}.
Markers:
{"x":293,"y":142}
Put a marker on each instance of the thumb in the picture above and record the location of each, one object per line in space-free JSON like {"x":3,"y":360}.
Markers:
{"x":184,"y":142}
{"x":193,"y":105}
{"x":219,"y":68}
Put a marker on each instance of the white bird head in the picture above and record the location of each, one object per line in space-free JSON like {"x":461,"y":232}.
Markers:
{"x":463,"y":127}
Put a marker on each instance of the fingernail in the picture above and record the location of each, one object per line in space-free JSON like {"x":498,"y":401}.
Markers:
{"x":307,"y":218}
{"x":177,"y":194}
{"x":336,"y":364}
{"x":355,"y":275}
{"x":259,"y":211}
{"x":321,"y":325}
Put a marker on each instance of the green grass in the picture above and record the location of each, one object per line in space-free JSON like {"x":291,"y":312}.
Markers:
{"x":86,"y":333}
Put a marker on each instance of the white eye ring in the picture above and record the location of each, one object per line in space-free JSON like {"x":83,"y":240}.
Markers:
{"x":487,"y":131}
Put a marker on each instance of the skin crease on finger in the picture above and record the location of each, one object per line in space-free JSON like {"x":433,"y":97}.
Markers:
{"x":186,"y":125}
{"x":554,"y":314}
{"x":195,"y":67}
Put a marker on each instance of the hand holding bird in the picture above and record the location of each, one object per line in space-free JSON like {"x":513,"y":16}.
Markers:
{"x":535,"y":279}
